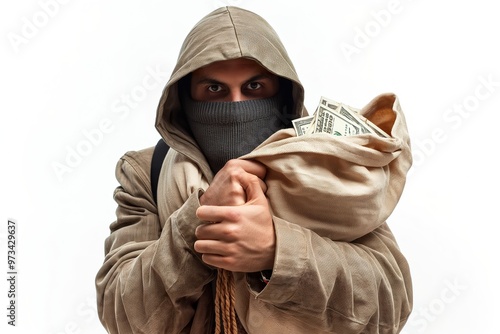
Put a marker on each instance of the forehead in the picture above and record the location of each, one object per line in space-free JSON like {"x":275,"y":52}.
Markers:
{"x":231,"y":67}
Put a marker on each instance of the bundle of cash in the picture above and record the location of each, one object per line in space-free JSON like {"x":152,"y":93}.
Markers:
{"x":337,"y":119}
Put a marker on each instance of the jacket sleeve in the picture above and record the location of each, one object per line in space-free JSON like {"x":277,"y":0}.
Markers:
{"x":363,"y":286}
{"x":142,"y":275}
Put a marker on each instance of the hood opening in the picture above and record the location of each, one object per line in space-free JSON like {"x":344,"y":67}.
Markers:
{"x":226,"y":33}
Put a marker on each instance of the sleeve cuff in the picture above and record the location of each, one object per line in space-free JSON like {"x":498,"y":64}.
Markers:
{"x":289,"y":265}
{"x":186,"y":219}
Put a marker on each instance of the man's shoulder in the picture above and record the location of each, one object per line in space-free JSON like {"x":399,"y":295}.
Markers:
{"x":137,"y":163}
{"x":140,"y":157}
{"x":133,"y":175}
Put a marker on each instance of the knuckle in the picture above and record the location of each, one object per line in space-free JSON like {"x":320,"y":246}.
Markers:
{"x":233,"y":169}
{"x":231,"y":263}
{"x":232,"y":163}
{"x":228,"y":262}
{"x":233,"y":215}
{"x":254,"y":178}
{"x":231,"y":231}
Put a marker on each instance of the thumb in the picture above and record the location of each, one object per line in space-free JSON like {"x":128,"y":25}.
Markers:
{"x":254,"y":188}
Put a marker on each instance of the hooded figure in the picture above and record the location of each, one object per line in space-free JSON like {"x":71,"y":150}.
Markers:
{"x":337,"y":266}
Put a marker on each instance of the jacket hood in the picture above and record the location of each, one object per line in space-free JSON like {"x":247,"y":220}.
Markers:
{"x":226,"y":33}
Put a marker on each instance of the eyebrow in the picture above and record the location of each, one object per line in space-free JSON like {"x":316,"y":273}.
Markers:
{"x":212,"y":81}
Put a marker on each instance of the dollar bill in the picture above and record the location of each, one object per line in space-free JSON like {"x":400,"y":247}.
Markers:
{"x":351,"y":116}
{"x":363,"y":121}
{"x":348,"y":112}
{"x":375,"y":128}
{"x":337,"y":119}
{"x":301,"y":125}
{"x":330,"y":104}
{"x":329,"y":122}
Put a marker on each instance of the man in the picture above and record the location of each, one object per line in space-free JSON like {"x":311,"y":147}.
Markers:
{"x":297,"y":267}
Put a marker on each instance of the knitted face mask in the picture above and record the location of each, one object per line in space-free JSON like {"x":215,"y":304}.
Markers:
{"x":228,"y":130}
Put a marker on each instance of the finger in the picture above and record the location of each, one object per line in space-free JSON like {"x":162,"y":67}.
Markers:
{"x":209,"y":247}
{"x":222,"y":261}
{"x":215,"y":260}
{"x":254,"y":188}
{"x":249,"y":166}
{"x":263,"y":186}
{"x":214,"y":213}
{"x":211,"y":231}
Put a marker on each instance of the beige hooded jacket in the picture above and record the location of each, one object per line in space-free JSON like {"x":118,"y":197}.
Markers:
{"x":338,"y":268}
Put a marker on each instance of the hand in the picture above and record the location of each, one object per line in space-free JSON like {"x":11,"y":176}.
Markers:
{"x":226,"y":188}
{"x":243,"y":239}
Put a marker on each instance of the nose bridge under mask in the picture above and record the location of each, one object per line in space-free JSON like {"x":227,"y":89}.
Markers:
{"x":228,"y":130}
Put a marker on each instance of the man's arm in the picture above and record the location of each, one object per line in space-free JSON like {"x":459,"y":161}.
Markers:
{"x":142,"y":285}
{"x":318,"y":283}
{"x":329,"y":286}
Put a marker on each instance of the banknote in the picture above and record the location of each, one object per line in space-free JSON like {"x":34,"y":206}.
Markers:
{"x":329,"y":122}
{"x":330,"y":104}
{"x":337,"y":119}
{"x":348,"y":112}
{"x":302,"y":124}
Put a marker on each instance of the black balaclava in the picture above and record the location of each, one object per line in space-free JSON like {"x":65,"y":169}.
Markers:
{"x":228,"y":130}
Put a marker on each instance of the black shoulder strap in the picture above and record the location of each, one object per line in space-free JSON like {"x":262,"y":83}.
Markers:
{"x":159,"y":154}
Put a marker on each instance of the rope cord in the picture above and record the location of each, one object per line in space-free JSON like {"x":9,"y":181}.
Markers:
{"x":225,"y":303}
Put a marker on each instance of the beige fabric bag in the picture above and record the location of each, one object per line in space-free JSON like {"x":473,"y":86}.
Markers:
{"x":340,"y":187}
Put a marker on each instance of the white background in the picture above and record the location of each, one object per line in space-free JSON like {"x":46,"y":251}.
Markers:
{"x":68,"y":67}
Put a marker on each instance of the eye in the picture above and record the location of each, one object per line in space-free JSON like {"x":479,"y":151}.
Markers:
{"x":254,"y":85}
{"x":214,"y":88}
